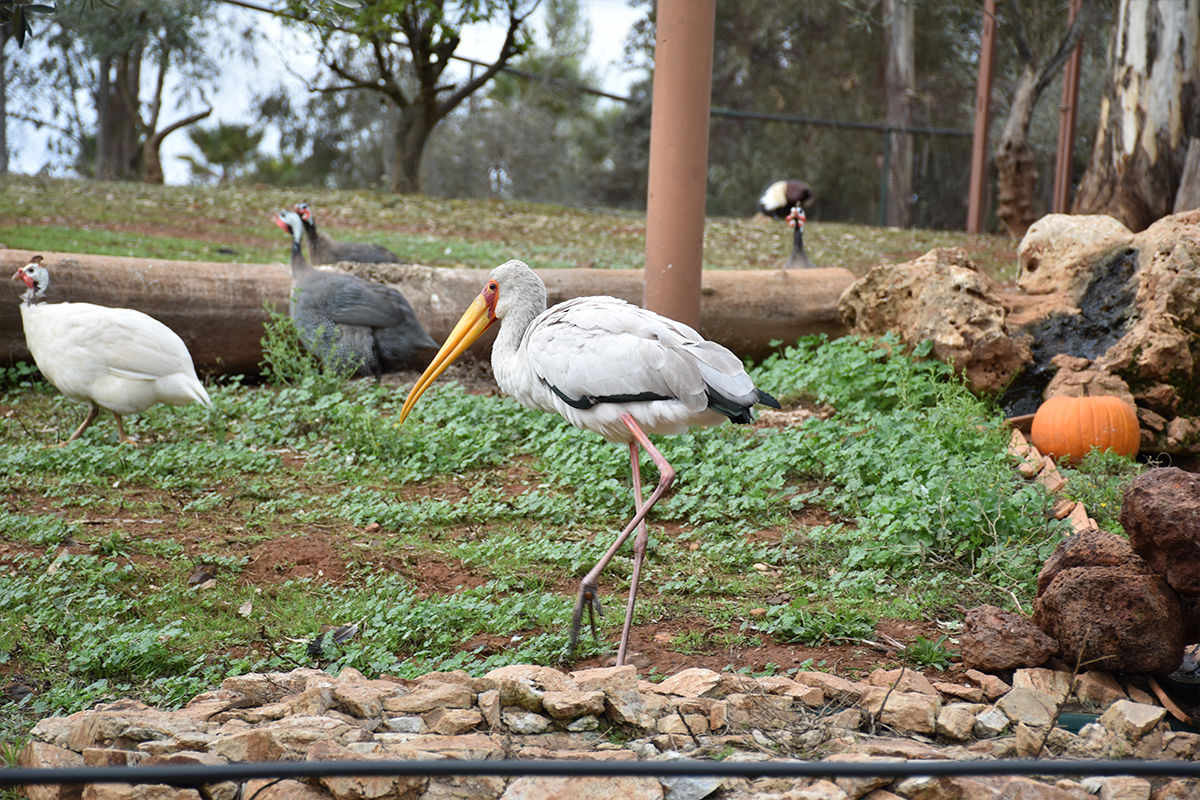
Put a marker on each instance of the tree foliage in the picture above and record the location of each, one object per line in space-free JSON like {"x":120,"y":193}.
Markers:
{"x":409,"y":45}
{"x":536,"y":134}
{"x":118,"y":57}
{"x":224,"y":149}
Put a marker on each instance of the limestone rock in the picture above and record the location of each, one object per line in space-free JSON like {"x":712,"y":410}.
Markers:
{"x":956,"y":721}
{"x":904,"y":712}
{"x":569,"y":705}
{"x":1131,"y":720}
{"x":429,"y":697}
{"x":1052,"y":683}
{"x":993,"y":688}
{"x":364,"y":787}
{"x":537,"y":787}
{"x":940,"y":297}
{"x":691,"y":682}
{"x":1061,"y":252}
{"x":1098,"y":690}
{"x":142,"y":791}
{"x":902,"y":680}
{"x":1028,"y":706}
{"x":994,"y":640}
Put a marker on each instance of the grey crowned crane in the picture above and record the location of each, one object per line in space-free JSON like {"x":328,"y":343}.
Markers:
{"x":786,"y":200}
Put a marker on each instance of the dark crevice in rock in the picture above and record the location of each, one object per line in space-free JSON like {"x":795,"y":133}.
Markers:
{"x":1105,"y":313}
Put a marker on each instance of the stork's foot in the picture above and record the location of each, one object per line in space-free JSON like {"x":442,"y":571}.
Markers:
{"x":589,"y":597}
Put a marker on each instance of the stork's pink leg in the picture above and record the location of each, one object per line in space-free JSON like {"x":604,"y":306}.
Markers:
{"x":588,"y":587}
{"x":639,"y":550}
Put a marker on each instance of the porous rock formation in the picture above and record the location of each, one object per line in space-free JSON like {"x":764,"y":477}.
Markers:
{"x":940,"y":297}
{"x":1097,"y":310}
{"x":1104,"y":605}
{"x":1161,"y":515}
{"x":1141,"y":294}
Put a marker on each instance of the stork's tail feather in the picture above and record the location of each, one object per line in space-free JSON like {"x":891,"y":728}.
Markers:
{"x":767,"y":400}
{"x":738,"y":413}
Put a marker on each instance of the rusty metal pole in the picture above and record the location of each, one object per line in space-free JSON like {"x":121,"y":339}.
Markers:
{"x":683,"y":54}
{"x":1066,"y":126}
{"x":977,"y":194}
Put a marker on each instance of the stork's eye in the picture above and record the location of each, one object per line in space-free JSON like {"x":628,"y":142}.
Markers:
{"x":492,"y":287}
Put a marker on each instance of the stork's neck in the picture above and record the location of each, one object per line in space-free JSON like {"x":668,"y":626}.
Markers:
{"x":508,"y":366}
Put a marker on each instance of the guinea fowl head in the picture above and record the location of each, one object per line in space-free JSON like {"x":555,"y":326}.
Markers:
{"x":304,"y":211}
{"x":796,"y":217}
{"x":36,"y":278}
{"x":290,"y":221}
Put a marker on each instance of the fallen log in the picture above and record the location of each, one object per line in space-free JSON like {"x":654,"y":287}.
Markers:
{"x":218,"y":309}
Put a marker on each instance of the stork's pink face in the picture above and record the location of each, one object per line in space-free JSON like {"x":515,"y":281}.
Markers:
{"x":304,"y":211}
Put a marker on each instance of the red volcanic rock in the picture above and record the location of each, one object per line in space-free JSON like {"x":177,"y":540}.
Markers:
{"x":1161,"y":515}
{"x":994,"y":640}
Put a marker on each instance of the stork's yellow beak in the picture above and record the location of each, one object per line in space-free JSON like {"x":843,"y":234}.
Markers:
{"x":469,"y":328}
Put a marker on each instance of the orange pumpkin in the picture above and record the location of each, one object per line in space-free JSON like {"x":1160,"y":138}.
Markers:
{"x":1067,"y":428}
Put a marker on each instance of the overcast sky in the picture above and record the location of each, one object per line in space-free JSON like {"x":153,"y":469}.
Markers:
{"x":287,"y":53}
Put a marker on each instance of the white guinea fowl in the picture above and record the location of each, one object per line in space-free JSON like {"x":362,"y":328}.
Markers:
{"x":608,"y":367}
{"x":112,"y":359}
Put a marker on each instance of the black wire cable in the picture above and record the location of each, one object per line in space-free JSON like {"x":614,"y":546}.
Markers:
{"x":185,"y":775}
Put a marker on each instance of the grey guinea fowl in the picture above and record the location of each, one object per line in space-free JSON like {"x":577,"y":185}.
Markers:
{"x":786,"y":200}
{"x":325,"y":250}
{"x":365,"y":328}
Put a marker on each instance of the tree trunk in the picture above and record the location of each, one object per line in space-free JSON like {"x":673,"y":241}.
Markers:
{"x":412,"y":133}
{"x":118,"y":156}
{"x":217,"y":309}
{"x":1016,"y":165}
{"x":900,"y":84}
{"x":1150,"y":112}
{"x":3,"y":103}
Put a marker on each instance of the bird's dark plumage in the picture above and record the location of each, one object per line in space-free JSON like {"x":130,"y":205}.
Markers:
{"x":365,"y":328}
{"x":325,"y":250}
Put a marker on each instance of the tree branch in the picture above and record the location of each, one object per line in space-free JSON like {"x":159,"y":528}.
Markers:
{"x":1017,"y":21}
{"x":174,"y":126}
{"x":506,"y":52}
{"x":1075,"y":33}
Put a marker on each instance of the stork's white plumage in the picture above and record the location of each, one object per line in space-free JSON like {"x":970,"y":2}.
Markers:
{"x":608,"y":367}
{"x":115,"y":359}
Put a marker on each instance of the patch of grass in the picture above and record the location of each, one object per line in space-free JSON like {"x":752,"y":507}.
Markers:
{"x":1099,"y":482}
{"x":929,"y":654}
{"x":134,"y":219}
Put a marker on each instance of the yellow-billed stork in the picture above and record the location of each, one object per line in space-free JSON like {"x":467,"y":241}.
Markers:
{"x":606,"y":366}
